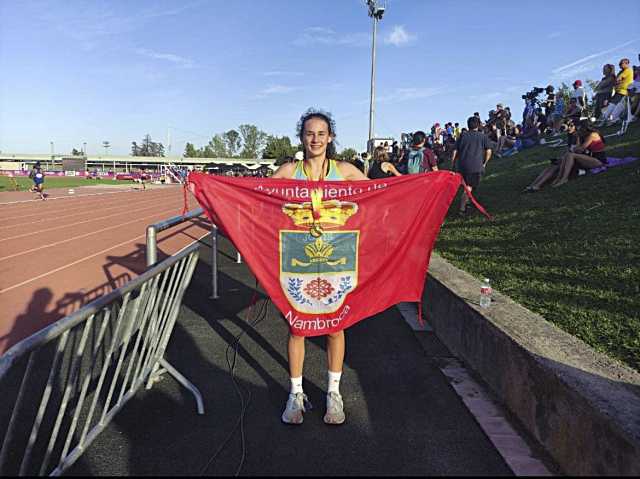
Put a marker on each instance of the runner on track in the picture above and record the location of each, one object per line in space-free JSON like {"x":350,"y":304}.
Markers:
{"x":37,"y":175}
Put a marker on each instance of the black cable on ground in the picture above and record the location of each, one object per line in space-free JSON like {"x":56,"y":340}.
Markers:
{"x":261,"y":314}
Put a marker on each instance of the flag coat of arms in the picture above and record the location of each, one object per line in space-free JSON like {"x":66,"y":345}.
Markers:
{"x":332,"y":253}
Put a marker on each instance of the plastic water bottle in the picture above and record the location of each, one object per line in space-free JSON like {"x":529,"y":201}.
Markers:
{"x":485,"y":294}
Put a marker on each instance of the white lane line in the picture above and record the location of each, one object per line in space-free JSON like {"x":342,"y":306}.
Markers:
{"x":84,"y":259}
{"x":35,"y":278}
{"x":137,"y":220}
{"x":62,"y":197}
{"x":42,"y":211}
{"x":100,"y":218}
{"x":81,"y":213}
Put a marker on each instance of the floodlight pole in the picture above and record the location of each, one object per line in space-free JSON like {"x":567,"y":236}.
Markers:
{"x":372,"y":105}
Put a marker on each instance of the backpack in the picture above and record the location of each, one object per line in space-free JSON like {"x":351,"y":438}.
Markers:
{"x":414,"y":161}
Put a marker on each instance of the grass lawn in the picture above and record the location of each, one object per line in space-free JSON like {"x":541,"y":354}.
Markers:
{"x":57,"y":182}
{"x":571,"y":253}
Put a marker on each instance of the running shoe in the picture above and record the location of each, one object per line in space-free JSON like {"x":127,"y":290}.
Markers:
{"x":335,"y":409}
{"x":296,"y":405}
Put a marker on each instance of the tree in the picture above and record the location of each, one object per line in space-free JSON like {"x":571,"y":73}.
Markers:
{"x":190,"y":151}
{"x":148,"y":148}
{"x":277,"y":148}
{"x":75,"y":152}
{"x":216,"y":148}
{"x":232,"y":142}
{"x":253,"y":140}
{"x":347,"y":154}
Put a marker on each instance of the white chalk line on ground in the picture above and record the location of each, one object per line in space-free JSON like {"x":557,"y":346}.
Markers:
{"x":44,"y":210}
{"x":60,"y":268}
{"x":32,"y":250}
{"x":99,"y":218}
{"x":62,"y":197}
{"x":127,"y":206}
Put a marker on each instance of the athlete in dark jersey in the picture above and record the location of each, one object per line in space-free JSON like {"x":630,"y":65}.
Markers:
{"x":37,"y":175}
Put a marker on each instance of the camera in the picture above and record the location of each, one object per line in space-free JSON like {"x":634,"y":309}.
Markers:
{"x":533,"y":94}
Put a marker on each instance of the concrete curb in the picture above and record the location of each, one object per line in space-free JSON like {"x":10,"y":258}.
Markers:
{"x":581,"y":406}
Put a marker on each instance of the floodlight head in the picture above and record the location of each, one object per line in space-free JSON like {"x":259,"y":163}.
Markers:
{"x":376,"y":11}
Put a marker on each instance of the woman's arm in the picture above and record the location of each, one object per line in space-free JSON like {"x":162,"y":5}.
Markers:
{"x":285,"y":171}
{"x":388,"y":167}
{"x":590,"y":139}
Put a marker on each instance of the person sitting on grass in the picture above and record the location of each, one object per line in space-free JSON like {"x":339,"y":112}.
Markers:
{"x":574,"y":111}
{"x":590,"y":154}
{"x":529,"y":137}
{"x":550,"y":173}
{"x":508,"y":140}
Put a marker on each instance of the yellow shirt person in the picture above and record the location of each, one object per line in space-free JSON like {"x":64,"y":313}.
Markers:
{"x":623,"y":80}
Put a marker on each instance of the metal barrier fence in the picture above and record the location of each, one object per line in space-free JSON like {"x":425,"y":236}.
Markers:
{"x":152,"y":244}
{"x":63,"y":385}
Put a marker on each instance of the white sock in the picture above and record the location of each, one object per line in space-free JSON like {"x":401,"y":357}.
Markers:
{"x":334,"y":382}
{"x":296,"y":385}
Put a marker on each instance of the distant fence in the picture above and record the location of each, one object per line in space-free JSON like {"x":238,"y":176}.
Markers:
{"x":63,"y":385}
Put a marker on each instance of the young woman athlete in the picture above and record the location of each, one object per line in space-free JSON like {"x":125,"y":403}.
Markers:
{"x":316,"y":130}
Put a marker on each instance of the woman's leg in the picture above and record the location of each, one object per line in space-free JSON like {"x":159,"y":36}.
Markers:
{"x":585,"y":161}
{"x":565,"y":164}
{"x":335,"y":351}
{"x":296,"y":355}
{"x":547,"y":174}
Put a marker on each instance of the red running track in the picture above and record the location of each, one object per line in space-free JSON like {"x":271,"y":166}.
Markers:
{"x":60,"y":254}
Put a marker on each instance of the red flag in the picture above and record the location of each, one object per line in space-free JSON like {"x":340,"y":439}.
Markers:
{"x":328,"y":261}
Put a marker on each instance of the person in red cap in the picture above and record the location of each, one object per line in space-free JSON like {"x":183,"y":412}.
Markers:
{"x":579,"y":94}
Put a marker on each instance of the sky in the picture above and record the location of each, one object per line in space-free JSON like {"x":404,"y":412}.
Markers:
{"x":75,"y":72}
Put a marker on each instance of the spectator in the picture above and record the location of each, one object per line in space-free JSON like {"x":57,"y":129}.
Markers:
{"x":477,"y":115}
{"x":456,"y":131}
{"x":382,"y":169}
{"x":508,"y":140}
{"x":420,"y":158}
{"x":550,"y":102}
{"x":436,"y":131}
{"x":395,"y":152}
{"x":590,"y":154}
{"x":604,"y":89}
{"x":359,"y":161}
{"x":634,"y":95}
{"x":380,"y":153}
{"x":579,"y":94}
{"x":558,"y":114}
{"x":551,"y":172}
{"x":472,"y":153}
{"x":449,"y":129}
{"x":574,"y":111}
{"x":616,"y":105}
{"x":529,"y":137}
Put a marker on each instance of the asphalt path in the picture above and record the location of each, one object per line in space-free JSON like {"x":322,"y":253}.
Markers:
{"x":403,"y":417}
